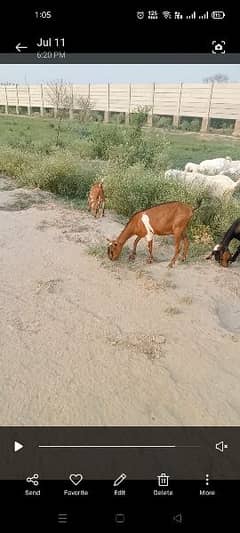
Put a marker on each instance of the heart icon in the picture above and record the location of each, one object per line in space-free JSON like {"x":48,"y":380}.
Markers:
{"x":76,"y":478}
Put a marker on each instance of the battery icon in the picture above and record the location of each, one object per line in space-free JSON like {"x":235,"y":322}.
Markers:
{"x":217,"y":15}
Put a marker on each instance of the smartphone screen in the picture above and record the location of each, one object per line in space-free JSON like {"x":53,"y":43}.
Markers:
{"x":120,"y":272}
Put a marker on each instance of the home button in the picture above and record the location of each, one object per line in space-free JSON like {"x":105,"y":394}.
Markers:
{"x":120,"y":518}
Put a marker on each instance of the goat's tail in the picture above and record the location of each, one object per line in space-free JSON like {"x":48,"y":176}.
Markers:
{"x":199,"y":203}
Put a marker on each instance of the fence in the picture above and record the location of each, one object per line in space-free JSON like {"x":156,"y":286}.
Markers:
{"x":205,"y":100}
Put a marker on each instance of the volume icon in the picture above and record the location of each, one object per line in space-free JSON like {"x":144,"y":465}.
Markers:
{"x":221,"y":446}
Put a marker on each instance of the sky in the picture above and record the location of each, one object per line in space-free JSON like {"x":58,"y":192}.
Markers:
{"x":115,"y":73}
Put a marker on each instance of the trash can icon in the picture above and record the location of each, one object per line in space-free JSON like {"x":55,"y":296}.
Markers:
{"x":163,"y":480}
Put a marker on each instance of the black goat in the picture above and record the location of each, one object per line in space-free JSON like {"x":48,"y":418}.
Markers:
{"x":221,"y":251}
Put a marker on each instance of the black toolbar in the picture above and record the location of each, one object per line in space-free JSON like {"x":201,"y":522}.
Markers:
{"x":119,"y":477}
{"x":103,"y":30}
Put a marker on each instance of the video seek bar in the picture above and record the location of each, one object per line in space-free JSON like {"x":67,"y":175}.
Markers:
{"x":140,"y":452}
{"x":127,"y":30}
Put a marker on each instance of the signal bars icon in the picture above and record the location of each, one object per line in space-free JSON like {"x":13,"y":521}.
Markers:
{"x":192,"y":16}
{"x":204,"y":16}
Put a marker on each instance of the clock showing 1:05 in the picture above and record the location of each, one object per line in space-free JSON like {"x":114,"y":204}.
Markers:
{"x":43,"y":14}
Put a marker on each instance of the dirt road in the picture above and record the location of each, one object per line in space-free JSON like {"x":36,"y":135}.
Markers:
{"x":84,"y":341}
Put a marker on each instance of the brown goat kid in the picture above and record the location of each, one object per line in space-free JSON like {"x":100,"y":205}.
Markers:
{"x":96,"y":199}
{"x":170,"y":218}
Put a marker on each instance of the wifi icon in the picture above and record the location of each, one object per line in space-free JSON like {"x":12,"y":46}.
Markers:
{"x":167,"y":14}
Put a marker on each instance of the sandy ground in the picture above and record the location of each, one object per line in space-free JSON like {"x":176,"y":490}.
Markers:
{"x":84,"y":341}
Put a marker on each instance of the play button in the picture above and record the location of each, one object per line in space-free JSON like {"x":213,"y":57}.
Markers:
{"x":17,"y":446}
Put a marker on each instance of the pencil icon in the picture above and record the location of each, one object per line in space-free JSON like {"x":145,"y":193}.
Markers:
{"x":119,"y":480}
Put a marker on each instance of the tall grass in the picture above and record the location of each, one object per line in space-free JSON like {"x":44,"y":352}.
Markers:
{"x":132,"y":160}
{"x":60,"y":172}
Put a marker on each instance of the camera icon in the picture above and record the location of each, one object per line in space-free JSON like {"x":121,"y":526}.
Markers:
{"x":218,"y":47}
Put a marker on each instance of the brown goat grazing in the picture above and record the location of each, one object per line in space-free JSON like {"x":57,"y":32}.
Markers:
{"x":169,"y":218}
{"x":96,"y":199}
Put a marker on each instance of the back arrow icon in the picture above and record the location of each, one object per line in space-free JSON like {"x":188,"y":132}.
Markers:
{"x":19,"y":47}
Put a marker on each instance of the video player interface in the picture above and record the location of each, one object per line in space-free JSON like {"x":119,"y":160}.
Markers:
{"x":119,"y":245}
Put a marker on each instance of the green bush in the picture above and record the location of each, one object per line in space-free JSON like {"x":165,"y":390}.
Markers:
{"x":128,"y":145}
{"x":185,"y":125}
{"x":195,"y":124}
{"x":103,"y":137}
{"x":85,"y":149}
{"x":162,"y":122}
{"x":60,"y":172}
{"x":97,"y":116}
{"x":221,"y":123}
{"x":139,"y":116}
{"x":117,"y":118}
{"x":188,"y":124}
{"x":14,"y":162}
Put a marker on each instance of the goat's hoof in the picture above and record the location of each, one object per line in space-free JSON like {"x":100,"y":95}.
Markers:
{"x":149,"y":260}
{"x":131,"y":257}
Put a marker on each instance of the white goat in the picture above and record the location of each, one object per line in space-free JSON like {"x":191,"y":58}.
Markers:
{"x":217,"y":185}
{"x":233,"y":171}
{"x":212,"y":167}
{"x":173,"y":173}
{"x":191,"y":167}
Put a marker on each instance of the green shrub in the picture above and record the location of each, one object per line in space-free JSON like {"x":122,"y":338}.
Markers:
{"x":195,"y":124}
{"x":185,"y":125}
{"x":189,"y":124}
{"x":65,"y":175}
{"x":139,"y":116}
{"x":60,"y":172}
{"x":128,"y":145}
{"x":162,"y":122}
{"x":85,"y":149}
{"x":104,"y":137}
{"x":97,"y":116}
{"x":117,"y":118}
{"x":221,"y":123}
